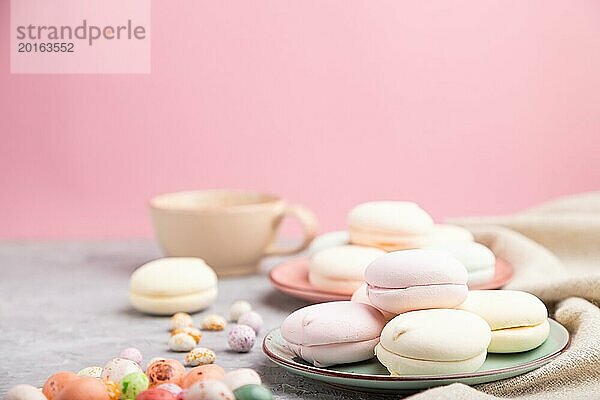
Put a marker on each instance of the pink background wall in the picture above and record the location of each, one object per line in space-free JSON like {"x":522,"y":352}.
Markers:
{"x":468,"y":107}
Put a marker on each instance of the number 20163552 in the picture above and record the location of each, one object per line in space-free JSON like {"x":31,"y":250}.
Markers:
{"x":26,"y":47}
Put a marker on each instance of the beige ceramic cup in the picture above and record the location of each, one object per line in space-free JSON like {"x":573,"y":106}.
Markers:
{"x":230,"y":229}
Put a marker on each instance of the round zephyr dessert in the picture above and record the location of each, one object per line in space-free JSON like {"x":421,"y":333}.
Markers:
{"x":337,"y":332}
{"x":417,"y":279}
{"x":479,"y":261}
{"x":341,"y":269}
{"x":360,"y":296}
{"x":446,"y":233}
{"x":519,"y":320}
{"x":434,"y":342}
{"x":389,"y":225}
{"x":327,"y":240}
{"x":173,"y":284}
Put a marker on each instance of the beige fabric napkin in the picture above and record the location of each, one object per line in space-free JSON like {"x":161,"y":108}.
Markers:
{"x":555,"y":250}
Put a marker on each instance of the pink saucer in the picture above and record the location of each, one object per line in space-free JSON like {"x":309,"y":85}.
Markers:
{"x":291,"y":277}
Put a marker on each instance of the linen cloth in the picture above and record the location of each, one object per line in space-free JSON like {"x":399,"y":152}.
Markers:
{"x":555,"y":250}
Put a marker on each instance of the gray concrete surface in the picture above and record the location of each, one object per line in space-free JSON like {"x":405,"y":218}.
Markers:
{"x":64,"y":306}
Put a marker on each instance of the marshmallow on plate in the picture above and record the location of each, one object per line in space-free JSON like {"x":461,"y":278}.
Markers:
{"x":416,"y":279}
{"x":337,"y":332}
{"x":519,"y":320}
{"x":434,"y":342}
{"x":326,"y":240}
{"x":341,"y":269}
{"x":479,"y":261}
{"x":445,"y":233}
{"x":389,"y":225}
{"x":360,"y":296}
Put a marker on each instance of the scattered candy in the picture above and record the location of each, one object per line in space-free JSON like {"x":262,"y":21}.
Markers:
{"x":165,"y":379}
{"x":238,"y":308}
{"x":94,"y":372}
{"x":241,"y":338}
{"x":133,"y":384}
{"x":131,"y":353}
{"x":253,"y":392}
{"x":181,"y":320}
{"x":165,"y":371}
{"x":208,"y":390}
{"x":156,"y":394}
{"x":203,"y":372}
{"x":182,"y":342}
{"x":24,"y":392}
{"x":193,"y":332}
{"x":213,"y":322}
{"x":84,"y":387}
{"x":117,"y":368}
{"x":241,"y":377}
{"x":56,"y":383}
{"x":252,"y":319}
{"x":171,"y":387}
{"x":113,"y":390}
{"x":200,"y":356}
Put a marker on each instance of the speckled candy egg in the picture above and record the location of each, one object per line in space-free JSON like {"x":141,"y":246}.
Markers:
{"x":131,"y":353}
{"x":203,"y":372}
{"x":193,"y":332}
{"x":238,"y":308}
{"x":171,"y":387}
{"x":165,"y":371}
{"x":181,"y":342}
{"x":84,"y":387}
{"x":24,"y":392}
{"x":94,"y":372}
{"x":208,"y":390}
{"x":253,"y":392}
{"x":252,"y":319}
{"x":117,"y":368}
{"x":213,"y":322}
{"x":133,"y":384}
{"x":241,"y":377}
{"x":241,"y":338}
{"x":200,"y":356}
{"x":181,"y":320}
{"x":156,"y":394}
{"x":112,"y":388}
{"x":153,"y":359}
{"x":57,"y":382}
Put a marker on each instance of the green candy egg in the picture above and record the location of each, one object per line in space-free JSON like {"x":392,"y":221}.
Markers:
{"x":252,"y":392}
{"x":132,"y":384}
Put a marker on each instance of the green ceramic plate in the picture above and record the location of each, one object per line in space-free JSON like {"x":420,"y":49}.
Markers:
{"x":372,"y":376}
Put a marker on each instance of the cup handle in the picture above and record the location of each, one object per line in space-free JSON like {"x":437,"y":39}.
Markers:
{"x":309,"y":223}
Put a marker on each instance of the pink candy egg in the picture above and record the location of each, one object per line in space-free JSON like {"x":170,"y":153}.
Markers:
{"x":131,"y":353}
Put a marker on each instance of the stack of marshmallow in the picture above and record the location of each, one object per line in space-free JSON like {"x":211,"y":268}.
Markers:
{"x":339,"y":259}
{"x":412,"y":308}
